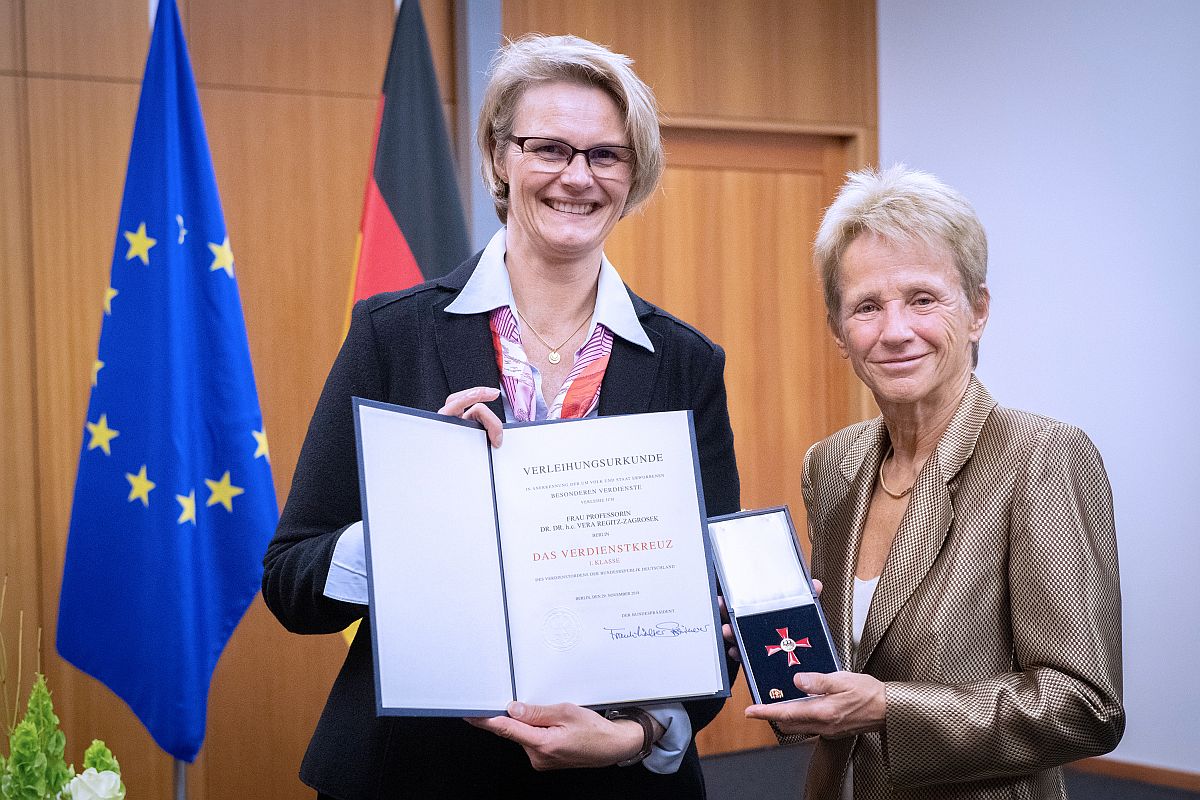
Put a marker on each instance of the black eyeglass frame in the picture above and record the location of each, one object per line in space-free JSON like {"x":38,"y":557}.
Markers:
{"x":520,"y":141}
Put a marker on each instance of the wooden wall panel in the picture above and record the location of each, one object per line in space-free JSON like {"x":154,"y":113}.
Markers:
{"x":439,"y":25}
{"x":88,"y":38}
{"x":284,"y":45}
{"x":19,"y":550}
{"x":12,"y":59}
{"x":795,"y":61}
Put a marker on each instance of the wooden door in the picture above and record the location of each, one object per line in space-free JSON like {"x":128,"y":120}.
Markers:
{"x":726,"y":246}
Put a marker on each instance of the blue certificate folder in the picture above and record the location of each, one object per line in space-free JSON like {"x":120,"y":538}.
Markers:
{"x":776,"y":618}
{"x":571,"y":564}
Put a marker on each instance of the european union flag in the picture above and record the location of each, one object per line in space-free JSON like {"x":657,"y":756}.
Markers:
{"x":174,"y":503}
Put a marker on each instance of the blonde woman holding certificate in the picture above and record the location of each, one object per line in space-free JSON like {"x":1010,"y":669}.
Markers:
{"x":537,"y":326}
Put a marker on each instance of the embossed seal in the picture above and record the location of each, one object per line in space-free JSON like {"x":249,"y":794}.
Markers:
{"x":560,"y":629}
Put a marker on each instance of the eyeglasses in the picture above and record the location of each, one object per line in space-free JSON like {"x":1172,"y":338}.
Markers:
{"x":551,"y":155}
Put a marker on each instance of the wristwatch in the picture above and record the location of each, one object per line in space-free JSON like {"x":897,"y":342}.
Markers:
{"x":641,"y":717}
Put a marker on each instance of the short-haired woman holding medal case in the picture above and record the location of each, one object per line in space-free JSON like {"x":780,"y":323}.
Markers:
{"x":538,"y":326}
{"x":967,"y":550}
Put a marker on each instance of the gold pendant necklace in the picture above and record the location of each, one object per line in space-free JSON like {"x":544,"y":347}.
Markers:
{"x":883,"y":484}
{"x":553,"y":356}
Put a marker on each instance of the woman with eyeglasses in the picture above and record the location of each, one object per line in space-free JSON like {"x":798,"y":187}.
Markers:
{"x":539,"y":326}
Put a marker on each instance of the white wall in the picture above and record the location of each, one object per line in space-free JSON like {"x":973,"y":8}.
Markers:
{"x":1074,"y":129}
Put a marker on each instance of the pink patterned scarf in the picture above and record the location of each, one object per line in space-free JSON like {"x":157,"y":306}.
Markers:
{"x":580,"y":392}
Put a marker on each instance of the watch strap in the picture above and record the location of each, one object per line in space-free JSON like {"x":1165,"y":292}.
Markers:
{"x":641,"y":717}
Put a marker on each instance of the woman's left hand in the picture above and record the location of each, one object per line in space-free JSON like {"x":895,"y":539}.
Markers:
{"x":850,"y":703}
{"x":469,"y":404}
{"x":565,"y":735}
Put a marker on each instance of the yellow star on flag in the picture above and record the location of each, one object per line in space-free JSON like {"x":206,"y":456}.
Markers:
{"x":262,"y":449}
{"x":188,"y":504}
{"x":222,"y":492}
{"x":139,"y":244}
{"x":96,"y":367}
{"x":109,"y":294}
{"x":101,"y":435}
{"x":140,"y":486}
{"x":222,"y":257}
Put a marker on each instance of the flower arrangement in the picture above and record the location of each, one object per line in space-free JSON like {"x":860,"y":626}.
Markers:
{"x":35,"y":767}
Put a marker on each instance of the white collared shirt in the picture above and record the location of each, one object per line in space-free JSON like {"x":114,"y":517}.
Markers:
{"x":489,"y":287}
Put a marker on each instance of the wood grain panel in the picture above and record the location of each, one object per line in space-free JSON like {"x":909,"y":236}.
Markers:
{"x":726,"y":247}
{"x":79,"y":143}
{"x":308,"y":47}
{"x":12,"y":58}
{"x":291,"y":171}
{"x":809,"y":61}
{"x":439,"y":26}
{"x":285,"y":45}
{"x":96,"y":38}
{"x":19,"y":556}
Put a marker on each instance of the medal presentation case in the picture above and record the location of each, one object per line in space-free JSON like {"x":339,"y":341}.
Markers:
{"x":776,"y":619}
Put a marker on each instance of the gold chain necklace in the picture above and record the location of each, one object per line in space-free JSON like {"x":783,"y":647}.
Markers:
{"x":553,"y":356}
{"x":883,"y":483}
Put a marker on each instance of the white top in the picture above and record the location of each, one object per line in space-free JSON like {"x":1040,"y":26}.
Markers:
{"x":863,"y":592}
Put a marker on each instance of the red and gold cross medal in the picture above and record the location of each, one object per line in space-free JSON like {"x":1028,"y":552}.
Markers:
{"x":787,"y":645}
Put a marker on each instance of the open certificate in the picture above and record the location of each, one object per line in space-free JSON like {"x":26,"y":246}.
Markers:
{"x":569,"y":565}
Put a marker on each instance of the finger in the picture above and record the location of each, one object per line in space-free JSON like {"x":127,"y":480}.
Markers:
{"x":817,"y":586}
{"x":542,"y":716}
{"x":784,"y":725}
{"x":793,"y":717}
{"x":755,"y":711}
{"x":511,"y":729}
{"x":775,"y":712}
{"x":497,"y":725}
{"x":724,"y":610}
{"x":732,"y":650}
{"x":459,"y":402}
{"x":490,"y":422}
{"x":816,"y":683}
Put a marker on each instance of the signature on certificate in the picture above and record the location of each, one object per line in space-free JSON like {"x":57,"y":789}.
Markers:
{"x":667,"y":629}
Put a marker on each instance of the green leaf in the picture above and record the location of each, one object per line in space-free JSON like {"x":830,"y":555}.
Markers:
{"x":25,"y":776}
{"x":100,"y":758}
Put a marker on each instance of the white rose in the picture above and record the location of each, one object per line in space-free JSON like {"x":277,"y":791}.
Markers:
{"x":93,"y":785}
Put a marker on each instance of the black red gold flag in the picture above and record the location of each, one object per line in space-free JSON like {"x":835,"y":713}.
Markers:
{"x":413,"y":228}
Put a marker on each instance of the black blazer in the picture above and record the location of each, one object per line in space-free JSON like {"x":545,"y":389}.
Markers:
{"x":404,"y":348}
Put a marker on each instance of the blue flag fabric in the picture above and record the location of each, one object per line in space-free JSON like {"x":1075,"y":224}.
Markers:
{"x":174,"y":503}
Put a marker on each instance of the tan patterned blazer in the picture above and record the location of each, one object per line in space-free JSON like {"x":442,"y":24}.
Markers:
{"x":996,"y":623}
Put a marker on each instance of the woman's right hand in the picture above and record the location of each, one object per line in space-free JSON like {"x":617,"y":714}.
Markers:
{"x":469,"y":404}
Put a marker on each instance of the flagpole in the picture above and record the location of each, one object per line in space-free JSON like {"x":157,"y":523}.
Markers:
{"x":180,"y":766}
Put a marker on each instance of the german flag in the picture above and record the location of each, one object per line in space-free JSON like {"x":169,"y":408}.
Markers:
{"x":413,"y":228}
